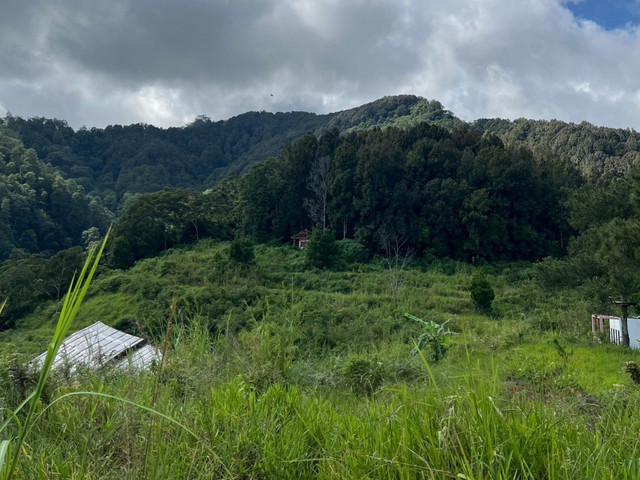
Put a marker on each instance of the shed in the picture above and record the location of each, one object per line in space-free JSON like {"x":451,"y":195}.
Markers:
{"x":301,"y":238}
{"x":615,"y":331}
{"x":98,"y":345}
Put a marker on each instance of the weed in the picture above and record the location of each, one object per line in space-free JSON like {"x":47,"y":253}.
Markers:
{"x":363,"y":376}
{"x":434,"y":335}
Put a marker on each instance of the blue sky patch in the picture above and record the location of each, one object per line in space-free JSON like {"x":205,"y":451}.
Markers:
{"x":609,"y":14}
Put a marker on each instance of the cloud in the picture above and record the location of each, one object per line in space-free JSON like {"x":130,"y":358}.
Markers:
{"x":166,"y":61}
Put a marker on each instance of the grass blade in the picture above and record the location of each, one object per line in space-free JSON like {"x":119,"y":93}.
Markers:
{"x":4,"y":450}
{"x":71,"y":305}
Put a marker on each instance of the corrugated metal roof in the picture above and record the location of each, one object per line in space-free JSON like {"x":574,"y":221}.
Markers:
{"x":93,"y":346}
{"x":140,"y":359}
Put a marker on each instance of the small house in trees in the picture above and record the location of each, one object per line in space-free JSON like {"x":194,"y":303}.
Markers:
{"x":99,"y":345}
{"x":301,"y":238}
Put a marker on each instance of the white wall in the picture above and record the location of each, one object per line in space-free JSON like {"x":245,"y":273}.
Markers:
{"x":634,"y":332}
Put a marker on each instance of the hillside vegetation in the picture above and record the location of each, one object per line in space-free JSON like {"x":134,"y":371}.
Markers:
{"x":118,"y":161}
{"x":40,"y":210}
{"x":274,"y":369}
{"x":461,"y":194}
{"x":598,"y":152}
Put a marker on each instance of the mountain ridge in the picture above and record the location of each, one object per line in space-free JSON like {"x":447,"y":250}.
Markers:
{"x":117,"y":162}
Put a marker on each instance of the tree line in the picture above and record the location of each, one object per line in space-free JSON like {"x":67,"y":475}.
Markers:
{"x":461,"y":194}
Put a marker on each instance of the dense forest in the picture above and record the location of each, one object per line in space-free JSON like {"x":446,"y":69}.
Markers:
{"x":42,"y":211}
{"x":600,"y":153}
{"x":456,"y":194}
{"x":119,"y":161}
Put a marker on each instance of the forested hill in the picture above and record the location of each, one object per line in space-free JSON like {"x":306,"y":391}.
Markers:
{"x":118,"y":161}
{"x":40,"y":210}
{"x":599,"y":153}
{"x":446,"y":194}
{"x":59,"y":182}
{"x":400,"y":168}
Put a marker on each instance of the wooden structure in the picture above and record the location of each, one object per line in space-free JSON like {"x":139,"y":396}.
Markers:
{"x":98,"y":345}
{"x":597,"y":323}
{"x":301,"y":238}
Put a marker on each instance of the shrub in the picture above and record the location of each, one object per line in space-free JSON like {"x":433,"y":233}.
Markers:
{"x":351,"y":251}
{"x":121,"y":254}
{"x":435,"y":335}
{"x":363,"y":375}
{"x":241,"y":251}
{"x":482,"y":293}
{"x":129,"y":324}
{"x":322,"y":249}
{"x":552,"y":273}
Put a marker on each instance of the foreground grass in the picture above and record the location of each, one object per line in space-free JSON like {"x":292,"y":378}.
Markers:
{"x":278,"y":372}
{"x":468,"y":426}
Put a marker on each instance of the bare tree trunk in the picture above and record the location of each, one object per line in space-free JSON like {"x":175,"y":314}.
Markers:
{"x":397,"y":256}
{"x":195,"y":227}
{"x":318,"y":183}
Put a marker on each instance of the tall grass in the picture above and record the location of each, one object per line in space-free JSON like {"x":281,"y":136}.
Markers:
{"x":72,"y":301}
{"x":219,"y":425}
{"x":269,"y":387}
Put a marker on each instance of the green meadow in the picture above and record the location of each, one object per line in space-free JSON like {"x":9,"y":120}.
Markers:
{"x":273,"y":370}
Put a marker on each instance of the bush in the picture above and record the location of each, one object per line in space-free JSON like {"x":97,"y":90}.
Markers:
{"x":482,"y":293}
{"x":322,"y":249}
{"x":241,"y":251}
{"x":351,"y":251}
{"x":435,"y":335}
{"x":129,"y":324}
{"x":121,"y":254}
{"x":363,"y":375}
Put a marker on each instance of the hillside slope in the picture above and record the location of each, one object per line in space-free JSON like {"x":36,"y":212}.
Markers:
{"x":40,"y":209}
{"x":118,"y":161}
{"x":597,"y":151}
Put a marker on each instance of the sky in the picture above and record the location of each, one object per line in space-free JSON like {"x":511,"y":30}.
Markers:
{"x":163,"y":62}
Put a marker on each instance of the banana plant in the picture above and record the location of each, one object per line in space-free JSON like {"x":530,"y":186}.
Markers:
{"x":434,"y":335}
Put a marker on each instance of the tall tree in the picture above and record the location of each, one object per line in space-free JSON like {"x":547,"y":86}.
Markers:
{"x":318,"y":184}
{"x":342,"y":211}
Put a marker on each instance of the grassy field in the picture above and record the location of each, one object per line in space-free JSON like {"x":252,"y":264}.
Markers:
{"x":277,"y":371}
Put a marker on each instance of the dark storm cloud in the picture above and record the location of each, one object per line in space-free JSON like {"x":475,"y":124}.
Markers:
{"x":229,"y":43}
{"x":165,"y":61}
